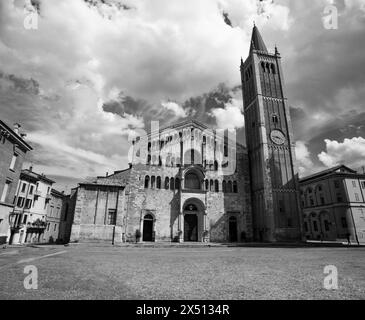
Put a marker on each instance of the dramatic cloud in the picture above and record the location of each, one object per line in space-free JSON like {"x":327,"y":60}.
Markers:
{"x":350,"y":152}
{"x":303,"y":157}
{"x":94,"y":70}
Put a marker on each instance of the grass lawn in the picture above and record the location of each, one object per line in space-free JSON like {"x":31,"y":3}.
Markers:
{"x":106,"y":272}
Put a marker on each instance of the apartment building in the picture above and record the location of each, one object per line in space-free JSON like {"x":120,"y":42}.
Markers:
{"x":13,"y":149}
{"x":333,"y":203}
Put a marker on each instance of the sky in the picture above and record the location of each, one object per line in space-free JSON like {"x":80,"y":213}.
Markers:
{"x":91,"y":71}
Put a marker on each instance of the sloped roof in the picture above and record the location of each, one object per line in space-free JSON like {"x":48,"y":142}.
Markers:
{"x":257,"y":43}
{"x":339,"y":169}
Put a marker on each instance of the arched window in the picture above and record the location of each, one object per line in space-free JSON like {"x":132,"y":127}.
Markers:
{"x":229,"y":187}
{"x":159,"y":161}
{"x":273,"y":69}
{"x":167,"y":183}
{"x":211,"y":183}
{"x":149,"y":159}
{"x":216,"y":185}
{"x":153,"y":181}
{"x":235,"y":188}
{"x":172,"y":161}
{"x":192,"y":181}
{"x":267,"y":67}
{"x":146,"y":181}
{"x":263,"y":66}
{"x":172,"y":183}
{"x":224,"y":186}
{"x":149,"y":146}
{"x":158,"y":183}
{"x":177,"y":184}
{"x":207,"y":185}
{"x":275,"y":119}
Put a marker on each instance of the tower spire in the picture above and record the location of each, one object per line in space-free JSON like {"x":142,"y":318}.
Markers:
{"x":257,"y":43}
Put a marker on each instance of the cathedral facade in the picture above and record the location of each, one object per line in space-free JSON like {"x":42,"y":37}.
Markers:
{"x":188,"y":182}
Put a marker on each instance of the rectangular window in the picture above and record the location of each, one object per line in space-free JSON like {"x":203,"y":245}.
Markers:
{"x":326,"y":225}
{"x":354,"y":184}
{"x":5,"y":191}
{"x":20,"y":202}
{"x":25,"y":219}
{"x":339,"y":198}
{"x":23,"y":187}
{"x":55,"y":226}
{"x":357,"y":197}
{"x":13,"y":161}
{"x":315,"y":226}
{"x":112,"y":216}
{"x":337,"y":184}
{"x":322,"y":200}
{"x":28,"y":203}
{"x":31,"y":190}
{"x":48,"y":226}
{"x":363,"y":184}
{"x":344,"y":222}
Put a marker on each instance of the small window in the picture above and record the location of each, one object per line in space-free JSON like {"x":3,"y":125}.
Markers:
{"x":275,"y":119}
{"x":158,"y":183}
{"x":357,"y":198}
{"x":216,"y":185}
{"x":55,"y":226}
{"x":112,"y":217}
{"x":337,"y":184}
{"x":344,"y":222}
{"x":326,"y":225}
{"x":315,"y":226}
{"x":354,"y":184}
{"x":23,"y":187}
{"x":235,"y":187}
{"x":31,"y":190}
{"x":290,"y":222}
{"x":153,"y":182}
{"x":146,"y":182}
{"x":20,"y":202}
{"x":322,"y":201}
{"x":5,"y":191}
{"x":363,"y":184}
{"x":28,"y":203}
{"x":339,"y":198}
{"x":13,"y":161}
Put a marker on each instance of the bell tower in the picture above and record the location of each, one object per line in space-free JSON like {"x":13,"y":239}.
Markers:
{"x":271,"y":148}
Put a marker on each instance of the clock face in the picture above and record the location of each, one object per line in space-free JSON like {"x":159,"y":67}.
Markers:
{"x":277,"y":137}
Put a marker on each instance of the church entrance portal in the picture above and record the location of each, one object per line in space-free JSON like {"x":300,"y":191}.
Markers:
{"x":147,"y":228}
{"x":191,"y":227}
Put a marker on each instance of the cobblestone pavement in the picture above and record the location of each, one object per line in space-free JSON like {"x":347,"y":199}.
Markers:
{"x":88,"y":271}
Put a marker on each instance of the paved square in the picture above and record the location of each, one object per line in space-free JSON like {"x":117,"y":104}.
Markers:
{"x":106,"y":272}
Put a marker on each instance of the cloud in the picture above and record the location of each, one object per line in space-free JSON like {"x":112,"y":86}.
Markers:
{"x":175,"y":108}
{"x":303,"y":157}
{"x":229,"y":117}
{"x":350,"y":152}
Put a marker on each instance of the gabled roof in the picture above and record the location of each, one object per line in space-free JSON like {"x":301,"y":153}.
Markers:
{"x":35,"y":176}
{"x":257,"y":43}
{"x":337,"y":169}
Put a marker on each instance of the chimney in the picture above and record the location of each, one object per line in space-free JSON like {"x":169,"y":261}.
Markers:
{"x":106,"y":174}
{"x":16,"y":128}
{"x":30,"y":168}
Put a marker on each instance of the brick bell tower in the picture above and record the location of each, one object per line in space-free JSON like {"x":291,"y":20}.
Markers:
{"x":271,"y":148}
